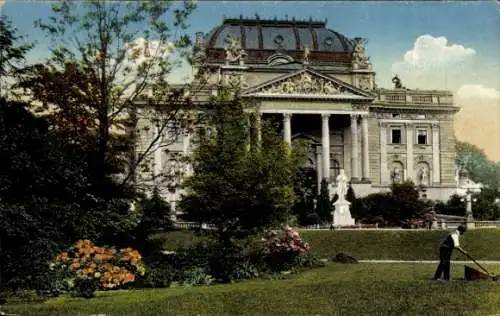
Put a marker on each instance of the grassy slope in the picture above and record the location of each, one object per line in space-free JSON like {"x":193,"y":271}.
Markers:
{"x":401,"y":245}
{"x":483,"y":244}
{"x":364,"y":289}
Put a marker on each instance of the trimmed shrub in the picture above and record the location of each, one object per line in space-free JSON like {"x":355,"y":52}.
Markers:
{"x":343,"y":258}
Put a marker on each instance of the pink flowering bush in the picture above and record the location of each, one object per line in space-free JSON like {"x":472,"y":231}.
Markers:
{"x":280,"y":250}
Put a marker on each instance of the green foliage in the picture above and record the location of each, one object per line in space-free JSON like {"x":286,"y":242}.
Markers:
{"x":154,"y":217}
{"x":454,"y":206}
{"x":160,"y":272}
{"x":306,"y":189}
{"x":196,"y":276}
{"x":485,"y":205}
{"x":323,"y":205}
{"x":11,"y":52}
{"x":308,"y":260}
{"x":356,"y":207}
{"x":246,"y":270}
{"x":477,"y":165}
{"x":343,"y":258}
{"x":85,"y":288}
{"x":107,"y":56}
{"x":393,"y":208}
{"x":240,"y":191}
{"x":48,"y":199}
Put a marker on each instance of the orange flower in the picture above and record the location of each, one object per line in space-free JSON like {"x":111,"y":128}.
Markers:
{"x":74,"y":266}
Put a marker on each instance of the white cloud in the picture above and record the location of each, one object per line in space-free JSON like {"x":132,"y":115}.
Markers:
{"x":477,"y":91}
{"x":431,"y":52}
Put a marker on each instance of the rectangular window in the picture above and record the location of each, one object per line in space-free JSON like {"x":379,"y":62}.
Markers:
{"x":422,"y":137}
{"x":396,"y":136}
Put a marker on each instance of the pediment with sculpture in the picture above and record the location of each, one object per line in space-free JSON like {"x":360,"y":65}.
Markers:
{"x":308,"y":83}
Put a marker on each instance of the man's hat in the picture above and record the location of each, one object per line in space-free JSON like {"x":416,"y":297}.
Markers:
{"x":462,"y":229}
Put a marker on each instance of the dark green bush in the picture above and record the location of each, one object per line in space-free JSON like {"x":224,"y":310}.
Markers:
{"x":160,"y":272}
{"x":308,"y":260}
{"x":85,"y":288}
{"x":343,"y":258}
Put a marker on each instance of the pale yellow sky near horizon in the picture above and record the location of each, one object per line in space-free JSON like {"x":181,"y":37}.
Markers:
{"x":478,"y":121}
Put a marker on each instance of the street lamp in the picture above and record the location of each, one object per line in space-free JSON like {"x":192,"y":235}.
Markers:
{"x":470,"y":188}
{"x":468,"y":206}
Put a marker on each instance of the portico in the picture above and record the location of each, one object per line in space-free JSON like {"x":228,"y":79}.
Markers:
{"x":359,"y":170}
{"x":336,"y":108}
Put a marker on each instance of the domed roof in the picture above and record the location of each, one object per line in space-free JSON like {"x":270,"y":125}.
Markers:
{"x":279,"y":35}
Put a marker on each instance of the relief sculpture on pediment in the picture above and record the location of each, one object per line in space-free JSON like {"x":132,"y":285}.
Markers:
{"x":306,"y":84}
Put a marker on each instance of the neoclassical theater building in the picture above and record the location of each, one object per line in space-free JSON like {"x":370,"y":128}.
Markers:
{"x":321,"y":86}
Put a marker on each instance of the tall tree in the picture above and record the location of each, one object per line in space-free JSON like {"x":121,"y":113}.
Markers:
{"x":240,"y":191}
{"x":109,"y":67}
{"x":12,"y":52}
{"x":47,"y":200}
{"x":324,"y":205}
{"x":479,"y":168}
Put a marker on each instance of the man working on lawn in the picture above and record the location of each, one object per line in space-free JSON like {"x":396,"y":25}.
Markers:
{"x":445,"y":251}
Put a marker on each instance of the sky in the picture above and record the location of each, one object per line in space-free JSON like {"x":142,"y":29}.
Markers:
{"x":429,"y":45}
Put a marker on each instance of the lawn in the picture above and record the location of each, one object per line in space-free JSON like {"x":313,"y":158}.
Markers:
{"x":483,"y":244}
{"x":362,"y":289}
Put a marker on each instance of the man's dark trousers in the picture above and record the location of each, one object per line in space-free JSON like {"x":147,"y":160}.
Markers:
{"x":444,"y":263}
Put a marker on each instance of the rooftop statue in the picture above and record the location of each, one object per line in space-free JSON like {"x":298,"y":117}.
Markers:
{"x":234,"y":51}
{"x":359,"y":58}
{"x":307,"y":52}
{"x":397,"y":82}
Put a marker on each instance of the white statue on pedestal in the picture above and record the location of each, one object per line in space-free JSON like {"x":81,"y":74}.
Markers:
{"x":342,"y":185}
{"x":342,"y":214}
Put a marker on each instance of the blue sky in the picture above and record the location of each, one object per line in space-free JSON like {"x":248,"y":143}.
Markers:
{"x":430,"y":45}
{"x":391,"y":27}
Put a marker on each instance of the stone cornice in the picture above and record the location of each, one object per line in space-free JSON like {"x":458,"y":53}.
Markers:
{"x":413,"y":108}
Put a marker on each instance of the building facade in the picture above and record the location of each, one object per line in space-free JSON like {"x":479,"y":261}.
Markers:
{"x":321,"y":86}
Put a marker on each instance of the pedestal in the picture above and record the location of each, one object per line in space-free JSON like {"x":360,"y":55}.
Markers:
{"x":342,"y":214}
{"x":470,"y":224}
{"x":434,"y":224}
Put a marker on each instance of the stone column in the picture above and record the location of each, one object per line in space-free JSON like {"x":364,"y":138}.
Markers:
{"x":354,"y":148}
{"x":436,"y":166}
{"x":248,"y":117}
{"x":384,"y":169}
{"x":287,"y":127}
{"x":366,"y":161}
{"x":325,"y":142}
{"x":409,"y":152}
{"x":319,"y":168}
{"x":157,"y":154}
{"x":186,"y":143}
{"x":258,"y":119}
